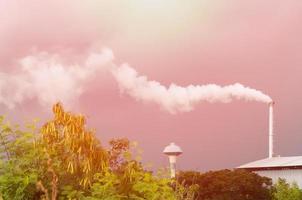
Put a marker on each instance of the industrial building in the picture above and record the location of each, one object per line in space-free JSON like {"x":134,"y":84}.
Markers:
{"x":288,"y":168}
{"x":275,"y":167}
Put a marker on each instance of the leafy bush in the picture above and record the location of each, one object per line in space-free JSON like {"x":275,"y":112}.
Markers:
{"x":64,"y":160}
{"x":20,"y":164}
{"x":285,"y":191}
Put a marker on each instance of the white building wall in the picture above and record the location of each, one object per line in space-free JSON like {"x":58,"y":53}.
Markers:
{"x":291,"y":175}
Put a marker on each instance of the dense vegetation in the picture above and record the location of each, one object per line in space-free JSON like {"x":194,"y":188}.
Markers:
{"x":284,"y":191}
{"x":238,"y":185}
{"x":228,"y":185}
{"x":64,"y":160}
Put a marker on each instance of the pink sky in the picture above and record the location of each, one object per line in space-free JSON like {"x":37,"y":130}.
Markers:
{"x":257,"y":43}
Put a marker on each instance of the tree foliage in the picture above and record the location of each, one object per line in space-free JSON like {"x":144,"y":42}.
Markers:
{"x":20,"y":164}
{"x":286,"y":191}
{"x":64,"y":160}
{"x":74,"y":148}
{"x":228,"y":185}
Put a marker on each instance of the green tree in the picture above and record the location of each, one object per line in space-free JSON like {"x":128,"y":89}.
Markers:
{"x":20,"y":163}
{"x":64,"y":160}
{"x":85,"y":169}
{"x":228,"y":185}
{"x":286,"y":191}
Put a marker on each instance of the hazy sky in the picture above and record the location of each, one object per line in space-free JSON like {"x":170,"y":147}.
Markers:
{"x":257,"y":43}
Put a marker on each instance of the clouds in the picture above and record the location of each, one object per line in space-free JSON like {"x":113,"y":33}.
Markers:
{"x":48,"y":78}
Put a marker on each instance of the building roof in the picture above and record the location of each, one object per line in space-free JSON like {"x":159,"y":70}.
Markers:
{"x":275,"y":162}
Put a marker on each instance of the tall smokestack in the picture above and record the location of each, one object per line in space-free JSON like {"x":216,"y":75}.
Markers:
{"x":271,"y":130}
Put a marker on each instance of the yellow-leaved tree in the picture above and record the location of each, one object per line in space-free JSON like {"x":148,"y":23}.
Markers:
{"x":70,"y":145}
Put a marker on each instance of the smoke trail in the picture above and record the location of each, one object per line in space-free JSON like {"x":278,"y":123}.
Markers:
{"x":47,"y":78}
{"x":181,"y":99}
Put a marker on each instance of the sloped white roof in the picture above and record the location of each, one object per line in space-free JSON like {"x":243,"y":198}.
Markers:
{"x":292,"y":161}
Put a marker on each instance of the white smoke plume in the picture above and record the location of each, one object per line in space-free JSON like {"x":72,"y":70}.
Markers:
{"x":181,"y":99}
{"x":47,"y":78}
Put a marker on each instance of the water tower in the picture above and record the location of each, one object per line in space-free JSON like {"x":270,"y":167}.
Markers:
{"x":172,"y":151}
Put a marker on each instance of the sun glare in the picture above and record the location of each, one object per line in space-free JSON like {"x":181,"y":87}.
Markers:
{"x":159,"y":19}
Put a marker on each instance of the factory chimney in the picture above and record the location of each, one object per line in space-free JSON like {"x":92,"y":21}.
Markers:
{"x":271,"y":130}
